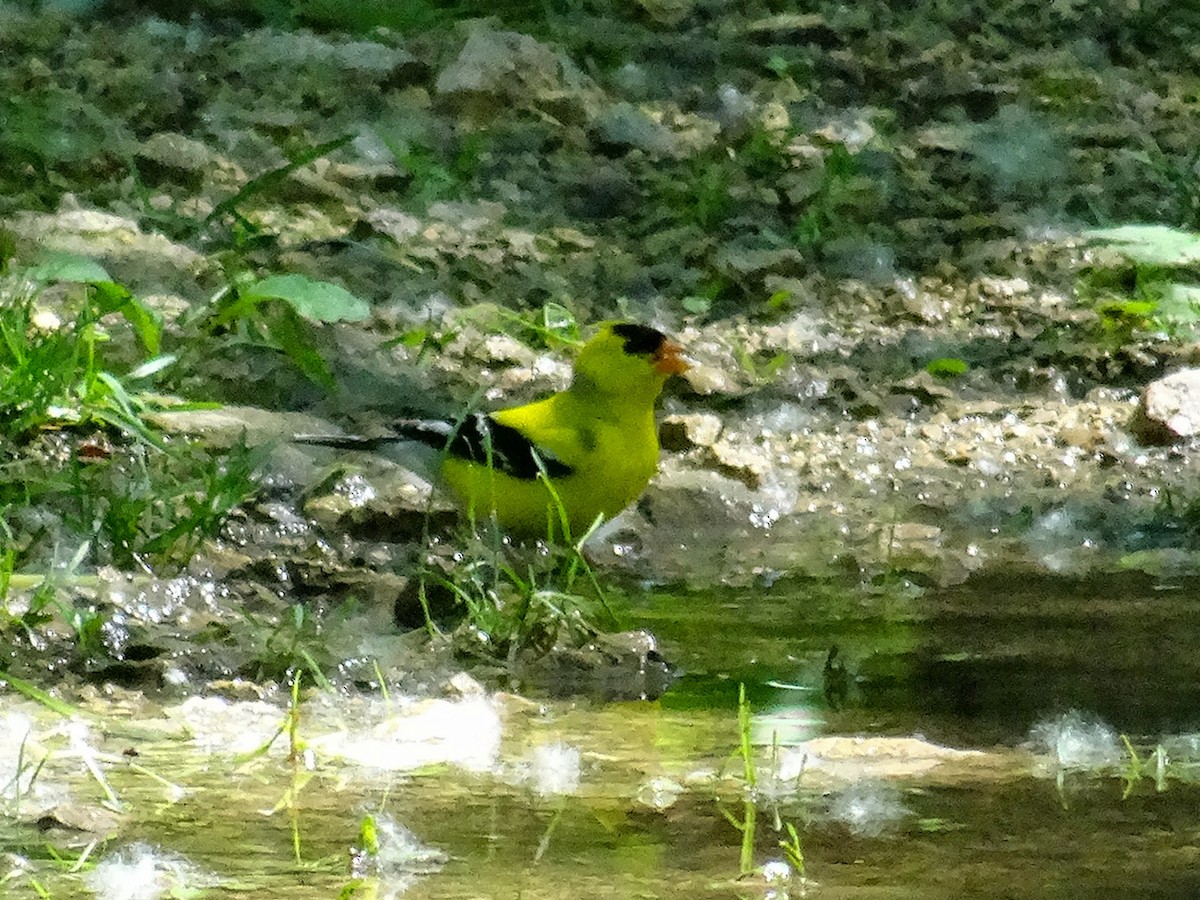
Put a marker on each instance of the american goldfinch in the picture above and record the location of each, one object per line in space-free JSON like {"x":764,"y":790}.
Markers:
{"x":581,"y":453}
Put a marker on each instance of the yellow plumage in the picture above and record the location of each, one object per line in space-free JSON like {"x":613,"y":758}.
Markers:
{"x":584,"y":452}
{"x":597,"y":441}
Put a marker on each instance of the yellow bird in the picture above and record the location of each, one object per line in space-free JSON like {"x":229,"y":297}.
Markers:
{"x":585,"y":452}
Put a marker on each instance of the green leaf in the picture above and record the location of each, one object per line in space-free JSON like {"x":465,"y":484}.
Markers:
{"x":1126,"y":313}
{"x":110,"y":403}
{"x":317,"y":301}
{"x":151,"y":366}
{"x":1157,"y":245}
{"x":779,"y":300}
{"x":61,"y":266}
{"x":273,"y":178}
{"x":146,"y":322}
{"x":778,"y":65}
{"x":291,"y":334}
{"x":560,"y":322}
{"x":1180,"y":304}
{"x":696,"y":305}
{"x":368,"y":835}
{"x":109,"y":296}
{"x":33,"y":692}
{"x":414,"y":337}
{"x":233,"y":307}
{"x":946,"y":367}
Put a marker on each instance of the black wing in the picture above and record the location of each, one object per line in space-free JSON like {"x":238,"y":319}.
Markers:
{"x":481,"y":439}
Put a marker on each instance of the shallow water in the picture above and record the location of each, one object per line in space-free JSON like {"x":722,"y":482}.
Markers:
{"x":968,"y":665}
{"x":636,"y":799}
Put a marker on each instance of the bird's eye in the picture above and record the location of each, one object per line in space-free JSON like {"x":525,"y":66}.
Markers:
{"x":639,"y":339}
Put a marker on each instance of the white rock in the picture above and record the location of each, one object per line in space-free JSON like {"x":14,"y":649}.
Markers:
{"x":1169,"y":408}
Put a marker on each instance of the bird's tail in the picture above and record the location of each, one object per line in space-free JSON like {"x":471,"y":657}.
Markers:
{"x":431,"y":432}
{"x":347,"y":441}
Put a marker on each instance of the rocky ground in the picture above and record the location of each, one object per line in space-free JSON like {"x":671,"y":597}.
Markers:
{"x":866,"y":224}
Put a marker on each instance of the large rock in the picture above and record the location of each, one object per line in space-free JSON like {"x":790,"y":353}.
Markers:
{"x":1169,"y":409}
{"x":518,"y":69}
{"x":143,"y":262}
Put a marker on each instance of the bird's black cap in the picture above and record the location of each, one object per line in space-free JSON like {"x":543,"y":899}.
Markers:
{"x":639,"y":339}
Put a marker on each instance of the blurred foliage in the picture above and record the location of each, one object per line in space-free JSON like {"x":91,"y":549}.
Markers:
{"x":131,"y":506}
{"x":1148,"y":283}
{"x":81,"y":471}
{"x":54,"y":353}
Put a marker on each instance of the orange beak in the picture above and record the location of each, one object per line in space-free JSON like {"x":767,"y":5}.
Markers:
{"x":668,"y":359}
